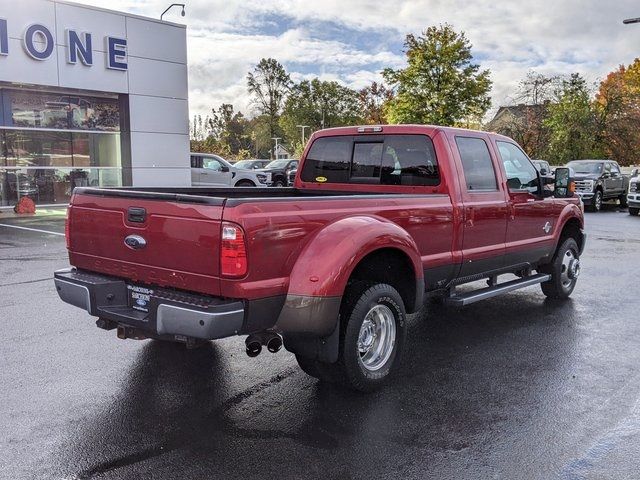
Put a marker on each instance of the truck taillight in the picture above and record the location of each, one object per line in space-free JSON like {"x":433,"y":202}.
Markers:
{"x":67,"y":236}
{"x":233,"y":251}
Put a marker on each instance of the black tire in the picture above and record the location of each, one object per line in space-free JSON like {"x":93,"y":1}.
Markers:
{"x":245,"y":183}
{"x":623,"y":200}
{"x":358,"y":303}
{"x":564,"y":274}
{"x":634,"y":211}
{"x":596,"y":202}
{"x":278,"y":183}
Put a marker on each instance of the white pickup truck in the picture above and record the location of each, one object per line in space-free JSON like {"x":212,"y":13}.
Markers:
{"x":212,"y":170}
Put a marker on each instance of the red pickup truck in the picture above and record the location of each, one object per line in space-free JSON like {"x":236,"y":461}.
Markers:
{"x":378,"y":219}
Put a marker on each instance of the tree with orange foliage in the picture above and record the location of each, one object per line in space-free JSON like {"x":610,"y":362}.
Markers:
{"x":618,"y":108}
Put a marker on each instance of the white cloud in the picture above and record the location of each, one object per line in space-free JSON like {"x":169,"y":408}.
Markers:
{"x":227,"y":37}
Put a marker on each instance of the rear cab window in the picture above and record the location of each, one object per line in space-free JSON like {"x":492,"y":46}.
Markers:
{"x":372,"y":159}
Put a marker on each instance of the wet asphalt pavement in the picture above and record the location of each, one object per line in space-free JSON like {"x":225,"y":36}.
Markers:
{"x":515,"y":387}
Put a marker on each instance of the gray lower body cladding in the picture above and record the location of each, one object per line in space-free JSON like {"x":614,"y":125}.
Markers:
{"x":168,"y":312}
{"x":161,"y":312}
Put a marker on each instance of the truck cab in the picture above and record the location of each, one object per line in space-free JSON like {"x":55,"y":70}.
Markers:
{"x":598,"y":181}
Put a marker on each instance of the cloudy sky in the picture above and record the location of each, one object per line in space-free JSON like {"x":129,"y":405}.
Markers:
{"x":352,"y":40}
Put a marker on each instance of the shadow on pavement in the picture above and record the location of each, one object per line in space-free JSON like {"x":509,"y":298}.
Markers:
{"x":468,"y":374}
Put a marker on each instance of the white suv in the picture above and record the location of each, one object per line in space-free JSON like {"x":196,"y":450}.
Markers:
{"x":212,"y":170}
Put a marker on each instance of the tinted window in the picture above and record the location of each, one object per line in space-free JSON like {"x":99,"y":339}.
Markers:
{"x":196,"y":161}
{"x":476,"y":163}
{"x":366,"y":160}
{"x":328,"y":158}
{"x":615,"y":168}
{"x":521,"y":174}
{"x":390,"y":160}
{"x":409,"y":160}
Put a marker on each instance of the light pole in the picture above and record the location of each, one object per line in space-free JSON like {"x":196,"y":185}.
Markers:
{"x":276,"y":147}
{"x":171,"y":6}
{"x":631,"y":20}
{"x":302,"y":127}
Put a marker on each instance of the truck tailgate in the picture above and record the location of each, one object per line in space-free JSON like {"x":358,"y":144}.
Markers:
{"x":181,"y":239}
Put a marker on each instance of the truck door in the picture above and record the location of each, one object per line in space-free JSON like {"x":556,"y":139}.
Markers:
{"x":532,"y":217}
{"x":617,"y":180}
{"x":484,"y":205}
{"x":214,"y":172}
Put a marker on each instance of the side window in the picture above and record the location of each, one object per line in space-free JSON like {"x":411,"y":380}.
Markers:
{"x":212,"y":164}
{"x":615,"y":169}
{"x":522,"y":176}
{"x":476,"y":163}
{"x":196,"y":161}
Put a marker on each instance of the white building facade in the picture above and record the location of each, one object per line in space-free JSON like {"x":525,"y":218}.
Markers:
{"x":89,"y":97}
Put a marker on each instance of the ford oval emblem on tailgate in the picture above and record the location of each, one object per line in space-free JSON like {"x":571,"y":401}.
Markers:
{"x":135,"y":242}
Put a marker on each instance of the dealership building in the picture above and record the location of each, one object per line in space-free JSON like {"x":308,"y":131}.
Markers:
{"x":89,"y":97}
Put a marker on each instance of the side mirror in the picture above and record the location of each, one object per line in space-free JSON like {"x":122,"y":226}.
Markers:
{"x":563,"y":186}
{"x":634,"y":172}
{"x":224,"y":168}
{"x":606,"y":175}
{"x":543,"y":171}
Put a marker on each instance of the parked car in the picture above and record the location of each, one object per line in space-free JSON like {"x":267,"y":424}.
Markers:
{"x":633,"y":197}
{"x":379,"y":218}
{"x":252,"y":164}
{"x":292,"y":176}
{"x":279,"y":170}
{"x":212,"y":170}
{"x":598,"y":181}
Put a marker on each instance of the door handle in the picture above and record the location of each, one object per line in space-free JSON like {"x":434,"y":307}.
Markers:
{"x":204,"y":173}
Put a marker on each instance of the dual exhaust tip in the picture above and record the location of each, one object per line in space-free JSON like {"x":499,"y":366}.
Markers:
{"x":254,"y":343}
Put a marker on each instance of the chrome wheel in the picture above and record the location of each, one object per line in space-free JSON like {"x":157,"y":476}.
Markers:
{"x":570,"y":269}
{"x":598,"y":201}
{"x":377,"y":337}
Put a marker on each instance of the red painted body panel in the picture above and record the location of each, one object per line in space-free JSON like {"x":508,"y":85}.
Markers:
{"x":183,"y":241}
{"x":309,"y":245}
{"x":317,"y":236}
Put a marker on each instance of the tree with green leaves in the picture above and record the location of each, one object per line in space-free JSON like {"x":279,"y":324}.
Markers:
{"x":524,"y":119}
{"x":319,"y":104}
{"x":574,"y":132}
{"x":269,"y":83}
{"x":440,"y":84}
{"x":224,"y":132}
{"x":373,"y":100}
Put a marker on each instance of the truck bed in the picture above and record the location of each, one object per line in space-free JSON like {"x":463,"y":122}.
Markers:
{"x":216,"y":195}
{"x":182,"y":227}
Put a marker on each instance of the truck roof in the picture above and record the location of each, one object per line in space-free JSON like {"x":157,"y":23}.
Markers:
{"x":430,"y":130}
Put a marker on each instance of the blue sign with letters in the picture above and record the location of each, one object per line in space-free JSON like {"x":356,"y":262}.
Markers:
{"x":38,"y":43}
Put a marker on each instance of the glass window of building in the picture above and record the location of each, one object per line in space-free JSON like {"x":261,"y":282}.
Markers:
{"x":53,"y":142}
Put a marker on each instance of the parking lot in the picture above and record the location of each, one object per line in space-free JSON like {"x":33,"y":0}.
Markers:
{"x":513,"y":387}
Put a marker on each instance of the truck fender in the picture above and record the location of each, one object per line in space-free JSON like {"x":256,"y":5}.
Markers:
{"x":321,"y":272}
{"x":570,"y":213}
